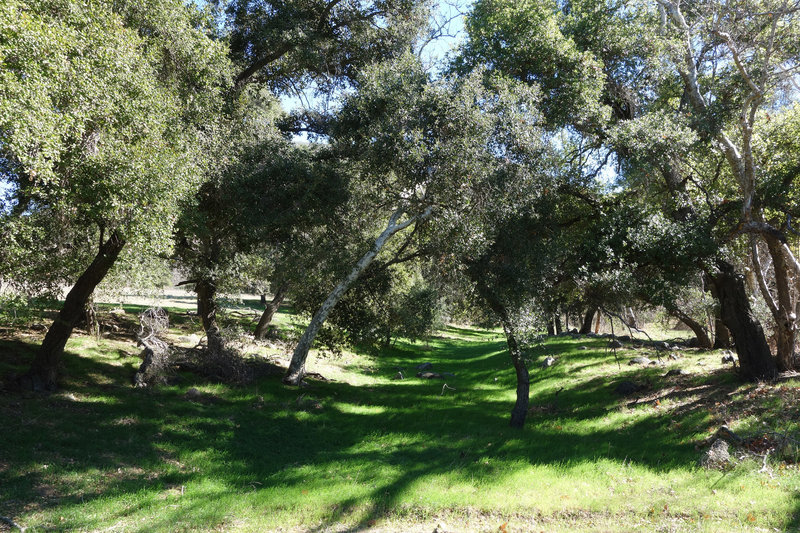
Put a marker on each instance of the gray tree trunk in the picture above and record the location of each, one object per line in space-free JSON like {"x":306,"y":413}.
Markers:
{"x":297,"y":366}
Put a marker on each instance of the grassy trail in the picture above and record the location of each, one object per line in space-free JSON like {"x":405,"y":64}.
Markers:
{"x":366,"y":452}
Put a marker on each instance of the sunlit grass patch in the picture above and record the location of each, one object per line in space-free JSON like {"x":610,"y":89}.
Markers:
{"x":369,"y":451}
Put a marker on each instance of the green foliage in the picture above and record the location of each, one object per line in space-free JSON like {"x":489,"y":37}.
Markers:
{"x":284,"y":44}
{"x":100,"y":113}
{"x":523,"y":40}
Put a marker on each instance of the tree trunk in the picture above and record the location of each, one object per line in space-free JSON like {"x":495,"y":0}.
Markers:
{"x":557,"y":320}
{"x":520,"y":410}
{"x":207,"y":304}
{"x":586,"y":326}
{"x":263,"y":299}
{"x":90,"y":317}
{"x":785,"y":318}
{"x":703,"y":340}
{"x":43,"y":373}
{"x":755,"y":360}
{"x":722,"y":337}
{"x":270,"y":310}
{"x":550,"y":329}
{"x":297,"y":366}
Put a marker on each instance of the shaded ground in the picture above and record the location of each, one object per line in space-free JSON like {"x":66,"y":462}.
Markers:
{"x":366,"y":452}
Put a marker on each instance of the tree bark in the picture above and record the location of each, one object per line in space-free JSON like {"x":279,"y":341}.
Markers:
{"x":550,"y":329}
{"x":297,"y":366}
{"x":520,"y":410}
{"x":703,"y":340}
{"x":559,"y":327}
{"x":270,"y":310}
{"x":784,"y":316}
{"x":722,"y":337}
{"x":755,"y":359}
{"x":207,"y":304}
{"x":586,"y":325}
{"x":43,"y":373}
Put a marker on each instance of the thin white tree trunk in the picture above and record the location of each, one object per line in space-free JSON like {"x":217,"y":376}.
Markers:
{"x":296,"y":370}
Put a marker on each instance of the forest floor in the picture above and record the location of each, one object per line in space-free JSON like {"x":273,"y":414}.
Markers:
{"x":362,"y":451}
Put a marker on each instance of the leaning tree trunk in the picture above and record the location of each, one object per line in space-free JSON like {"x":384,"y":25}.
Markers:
{"x":520,"y":410}
{"x":755,"y":359}
{"x":270,"y":310}
{"x":43,"y":373}
{"x":586,"y":325}
{"x":207,"y":304}
{"x":703,"y":340}
{"x":297,"y":366}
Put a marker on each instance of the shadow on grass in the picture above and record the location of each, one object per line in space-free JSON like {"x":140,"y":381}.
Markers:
{"x":101,"y":439}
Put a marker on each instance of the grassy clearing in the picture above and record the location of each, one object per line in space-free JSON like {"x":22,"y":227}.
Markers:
{"x":369,"y":452}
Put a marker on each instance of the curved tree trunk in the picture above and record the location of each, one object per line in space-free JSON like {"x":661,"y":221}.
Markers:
{"x":43,"y":373}
{"x":703,"y":340}
{"x":297,"y":366}
{"x":586,"y":325}
{"x":520,"y":410}
{"x":269,"y":311}
{"x":755,"y":359}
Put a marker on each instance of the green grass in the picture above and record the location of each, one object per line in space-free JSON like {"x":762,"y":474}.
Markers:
{"x":366,"y":451}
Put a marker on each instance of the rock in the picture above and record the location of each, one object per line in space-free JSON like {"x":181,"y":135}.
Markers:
{"x":117,"y":311}
{"x":399,"y":375}
{"x":574,"y":331}
{"x":657,"y":363}
{"x":717,"y":457}
{"x":615,"y":344}
{"x":640,"y":361}
{"x":583,"y":348}
{"x":429,"y":375}
{"x":591,"y":334}
{"x":693,"y":342}
{"x":626,"y":388}
{"x":448,"y":375}
{"x":728,"y":357}
{"x":624,"y":338}
{"x":424,"y":366}
{"x":674,"y":356}
{"x":676,"y":372}
{"x":662,"y":346}
{"x":193,"y":394}
{"x":548,"y":361}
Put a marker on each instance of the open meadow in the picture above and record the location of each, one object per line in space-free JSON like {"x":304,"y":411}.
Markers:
{"x":362,"y":451}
